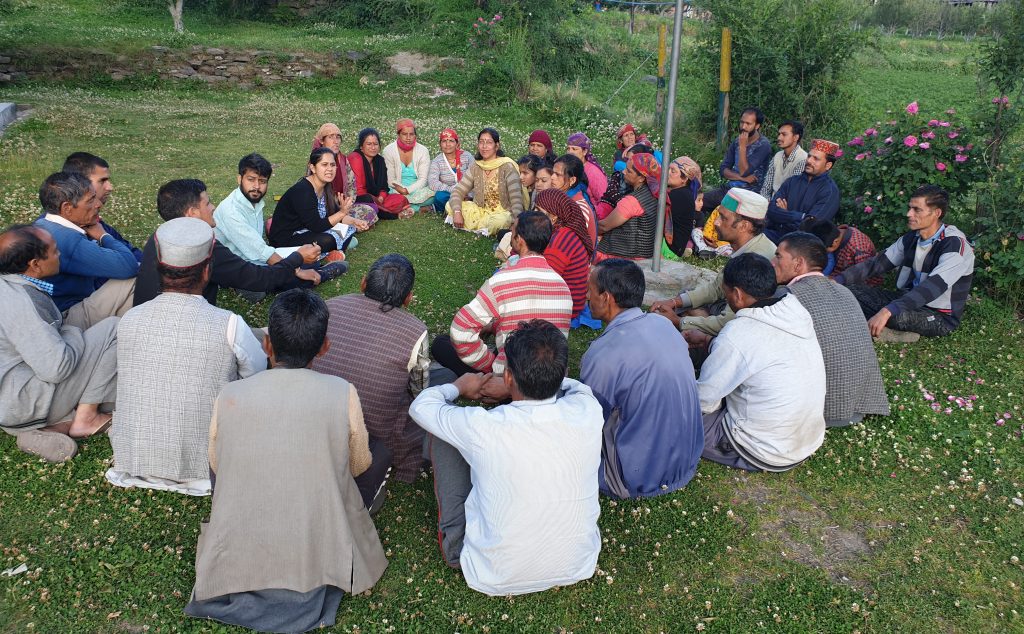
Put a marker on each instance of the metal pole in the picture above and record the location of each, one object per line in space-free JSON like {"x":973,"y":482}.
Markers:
{"x":670,"y":115}
{"x":659,"y":103}
{"x":724,"y":86}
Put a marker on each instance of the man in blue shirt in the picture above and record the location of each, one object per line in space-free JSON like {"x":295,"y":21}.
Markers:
{"x":97,"y":171}
{"x":97,"y":271}
{"x":746,"y":160}
{"x":640,"y":372}
{"x":812,"y":194}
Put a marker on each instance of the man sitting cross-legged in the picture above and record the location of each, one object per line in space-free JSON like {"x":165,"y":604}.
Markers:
{"x":936,"y":268}
{"x":53,"y":377}
{"x":528,"y":289}
{"x":187,"y":198}
{"x":853,"y":379}
{"x":289,"y":531}
{"x":97,"y":271}
{"x":767,"y":365}
{"x":176,"y":352}
{"x":382,"y":349}
{"x":741,"y":222}
{"x":516,"y":486}
{"x":639,"y":372}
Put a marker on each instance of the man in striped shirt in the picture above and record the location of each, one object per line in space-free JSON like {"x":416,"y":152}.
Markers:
{"x":526,"y":289}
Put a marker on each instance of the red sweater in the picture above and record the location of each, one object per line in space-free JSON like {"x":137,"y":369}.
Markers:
{"x":569,"y":258}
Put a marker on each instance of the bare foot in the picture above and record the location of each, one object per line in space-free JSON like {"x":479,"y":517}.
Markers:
{"x":88,"y":424}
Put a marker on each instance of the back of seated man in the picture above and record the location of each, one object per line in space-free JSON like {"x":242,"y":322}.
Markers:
{"x":175,"y":354}
{"x":527,"y":289}
{"x":53,"y":378}
{"x":653,"y":433}
{"x":517,"y":485}
{"x":97,"y":171}
{"x":936,"y":268}
{"x":289,"y":531}
{"x":97,"y":271}
{"x":853,"y":380}
{"x":768,"y":368}
{"x":187,"y":198}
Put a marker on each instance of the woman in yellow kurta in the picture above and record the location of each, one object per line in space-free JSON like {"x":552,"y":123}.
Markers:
{"x":494,"y":183}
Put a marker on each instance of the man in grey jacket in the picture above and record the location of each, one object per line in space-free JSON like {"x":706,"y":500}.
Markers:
{"x":853,"y":379}
{"x":53,"y":378}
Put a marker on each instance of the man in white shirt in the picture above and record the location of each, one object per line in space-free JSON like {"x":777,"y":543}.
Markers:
{"x":790,"y":160}
{"x":767,"y":366}
{"x":517,"y":486}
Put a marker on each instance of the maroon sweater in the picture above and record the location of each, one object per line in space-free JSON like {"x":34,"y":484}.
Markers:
{"x":569,"y":258}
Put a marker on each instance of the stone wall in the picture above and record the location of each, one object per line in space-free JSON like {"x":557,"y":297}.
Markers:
{"x":199,"y":63}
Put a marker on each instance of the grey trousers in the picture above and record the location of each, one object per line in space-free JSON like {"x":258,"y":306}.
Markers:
{"x":452,"y":485}
{"x":94,"y":380}
{"x":113,"y":299}
{"x":717,"y":446}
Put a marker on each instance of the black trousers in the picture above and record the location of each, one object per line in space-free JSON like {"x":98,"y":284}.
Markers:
{"x":444,"y":353}
{"x":924,"y":321}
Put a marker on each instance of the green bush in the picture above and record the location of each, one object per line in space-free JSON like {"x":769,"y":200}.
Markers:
{"x":885,"y":163}
{"x":788,"y":58}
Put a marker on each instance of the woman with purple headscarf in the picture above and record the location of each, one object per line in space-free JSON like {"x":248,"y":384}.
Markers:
{"x":579,"y":145}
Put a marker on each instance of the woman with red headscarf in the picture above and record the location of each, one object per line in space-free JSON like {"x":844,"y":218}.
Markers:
{"x":571,"y":248}
{"x":628,"y":231}
{"x":626,"y":138}
{"x":539,"y":144}
{"x":407,"y":162}
{"x":447,"y":168}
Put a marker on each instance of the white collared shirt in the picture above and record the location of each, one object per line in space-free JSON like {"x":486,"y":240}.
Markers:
{"x":64,"y":222}
{"x":531,"y":517}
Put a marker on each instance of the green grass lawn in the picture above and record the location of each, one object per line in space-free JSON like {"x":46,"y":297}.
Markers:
{"x":906,"y":523}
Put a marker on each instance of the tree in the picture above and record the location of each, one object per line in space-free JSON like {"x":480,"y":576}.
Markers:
{"x":176,"y":7}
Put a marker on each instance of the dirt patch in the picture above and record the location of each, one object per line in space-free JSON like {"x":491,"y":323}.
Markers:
{"x":807,"y":534}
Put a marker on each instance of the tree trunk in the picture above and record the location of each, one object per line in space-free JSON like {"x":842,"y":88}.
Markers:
{"x":175,"y":7}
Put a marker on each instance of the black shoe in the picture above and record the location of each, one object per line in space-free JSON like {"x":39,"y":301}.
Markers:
{"x":252,"y":296}
{"x":707,"y":254}
{"x":332,"y":270}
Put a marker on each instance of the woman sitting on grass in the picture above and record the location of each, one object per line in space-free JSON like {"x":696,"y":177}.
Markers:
{"x":539,"y":144}
{"x":344,"y":183}
{"x":571,"y":249}
{"x":309,"y":212}
{"x":408,"y":162}
{"x":579,"y":146}
{"x":371,"y":175}
{"x":568,"y":176}
{"x":447,"y":168}
{"x":497,"y":191}
{"x":628,"y":232}
{"x":682,"y":174}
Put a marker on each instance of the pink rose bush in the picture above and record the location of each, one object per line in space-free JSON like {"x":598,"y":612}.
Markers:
{"x":896,"y":157}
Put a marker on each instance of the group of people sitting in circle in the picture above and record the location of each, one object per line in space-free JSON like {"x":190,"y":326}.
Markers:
{"x":296,"y":428}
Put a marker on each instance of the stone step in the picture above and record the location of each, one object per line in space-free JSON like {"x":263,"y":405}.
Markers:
{"x":8,"y":113}
{"x":673,"y":278}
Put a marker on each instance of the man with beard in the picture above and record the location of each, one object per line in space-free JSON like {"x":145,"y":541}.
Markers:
{"x":240,"y":216}
{"x":812,"y":194}
{"x":188,"y":198}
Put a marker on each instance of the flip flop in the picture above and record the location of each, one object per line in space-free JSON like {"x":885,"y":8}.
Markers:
{"x":102,"y":429}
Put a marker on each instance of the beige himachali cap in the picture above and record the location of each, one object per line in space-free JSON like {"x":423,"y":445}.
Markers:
{"x":746,"y":203}
{"x":183,"y":242}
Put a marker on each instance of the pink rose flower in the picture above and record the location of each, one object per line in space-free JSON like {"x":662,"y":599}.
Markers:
{"x":954,"y":134}
{"x":961,"y":158}
{"x":859,"y":157}
{"x":871,"y":132}
{"x":855,"y":141}
{"x":868,"y":209}
{"x":888,"y":140}
{"x":839,"y":153}
{"x":933,"y":123}
{"x":912,"y":107}
{"x":943,"y":124}
{"x":910,"y":140}
{"x":940,"y":166}
{"x":928,"y":135}
{"x":925,"y":145}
